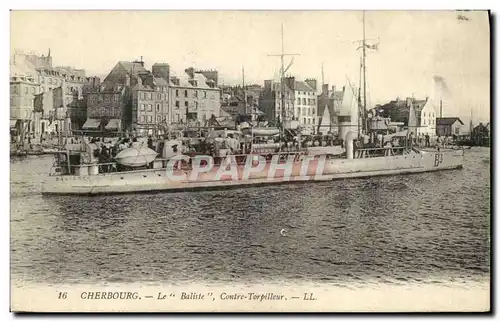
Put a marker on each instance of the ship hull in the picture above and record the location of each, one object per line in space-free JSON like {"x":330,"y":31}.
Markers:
{"x":155,"y":180}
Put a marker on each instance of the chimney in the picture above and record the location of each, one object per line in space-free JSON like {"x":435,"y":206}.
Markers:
{"x":343,"y":89}
{"x":161,"y":71}
{"x":441,"y":109}
{"x":190,"y":72}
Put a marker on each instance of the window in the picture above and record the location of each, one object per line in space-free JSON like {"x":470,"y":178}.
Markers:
{"x":303,"y":101}
{"x":304,"y":120}
{"x":186,"y":93}
{"x":177,"y":93}
{"x":314,"y":121}
{"x":158,"y":96}
{"x":314,"y":111}
{"x":309,"y":121}
{"x":142,"y":118}
{"x":204,"y":94}
{"x":195,"y":94}
{"x":150,"y":107}
{"x":177,"y":104}
{"x":196,"y":105}
{"x":424,"y":122}
{"x":150,"y":119}
{"x":32,"y":90}
{"x":42,"y":80}
{"x":186,"y":104}
{"x":157,"y":107}
{"x":141,"y":107}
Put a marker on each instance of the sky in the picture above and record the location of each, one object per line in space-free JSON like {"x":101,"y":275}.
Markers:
{"x":415,"y":48}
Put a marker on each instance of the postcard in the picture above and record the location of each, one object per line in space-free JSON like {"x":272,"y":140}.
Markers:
{"x":250,"y":161}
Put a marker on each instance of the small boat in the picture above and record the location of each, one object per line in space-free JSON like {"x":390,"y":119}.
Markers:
{"x":136,"y":157}
{"x":265,"y":131}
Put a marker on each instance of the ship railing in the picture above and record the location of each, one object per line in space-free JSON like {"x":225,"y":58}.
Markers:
{"x":163,"y":164}
{"x":362,"y":153}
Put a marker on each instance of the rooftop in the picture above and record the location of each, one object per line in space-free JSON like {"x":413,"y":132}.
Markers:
{"x":447,"y":120}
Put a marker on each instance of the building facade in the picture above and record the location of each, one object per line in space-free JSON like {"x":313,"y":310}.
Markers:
{"x":448,"y":126}
{"x":424,"y":111}
{"x":106,"y":108}
{"x":153,"y":99}
{"x":194,"y":97}
{"x":45,"y":78}
{"x":150,"y":107}
{"x":427,"y":124}
{"x":299,"y":99}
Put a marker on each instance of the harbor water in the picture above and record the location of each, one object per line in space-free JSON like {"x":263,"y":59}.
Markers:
{"x":424,"y":228}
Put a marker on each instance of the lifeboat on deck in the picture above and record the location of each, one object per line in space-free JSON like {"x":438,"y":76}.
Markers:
{"x":136,"y":157}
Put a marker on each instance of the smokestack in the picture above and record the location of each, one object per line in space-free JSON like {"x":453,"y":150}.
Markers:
{"x":325,"y":90}
{"x":441,"y":109}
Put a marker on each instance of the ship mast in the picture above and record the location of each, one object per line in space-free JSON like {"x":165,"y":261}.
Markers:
{"x":244,"y":90}
{"x":364,"y":73}
{"x":282,"y":81}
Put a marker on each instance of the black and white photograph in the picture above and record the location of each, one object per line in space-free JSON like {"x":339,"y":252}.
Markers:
{"x":250,"y":160}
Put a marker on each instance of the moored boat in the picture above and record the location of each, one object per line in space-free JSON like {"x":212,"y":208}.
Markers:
{"x":205,"y":172}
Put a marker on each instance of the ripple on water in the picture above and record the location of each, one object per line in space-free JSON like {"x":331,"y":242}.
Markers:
{"x":426,"y":228}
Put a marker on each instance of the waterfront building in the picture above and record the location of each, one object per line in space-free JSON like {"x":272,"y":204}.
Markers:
{"x":300,"y":101}
{"x":45,"y":78}
{"x":150,"y":97}
{"x":481,"y":134}
{"x":448,"y":126}
{"x":424,"y":114}
{"x":146,"y":101}
{"x":195,"y":97}
{"x":23,"y":88}
{"x":233,"y":100}
{"x":106,"y":108}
